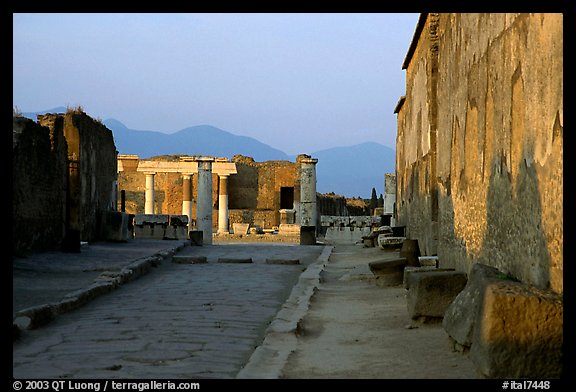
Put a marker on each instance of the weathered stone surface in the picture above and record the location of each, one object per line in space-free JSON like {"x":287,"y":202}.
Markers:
{"x":149,"y":232}
{"x":388,"y":272}
{"x":189,"y":259}
{"x":196,"y":237}
{"x":428,"y":261}
{"x":411,"y":251}
{"x":463,"y":311}
{"x":178,"y":220}
{"x":307,"y":235}
{"x":431,"y":293}
{"x":143,"y":219}
{"x":480,"y":143}
{"x":176,"y":233}
{"x":519,"y":333}
{"x":283,"y":261}
{"x":235,"y":260}
{"x":410,"y":270}
{"x":388,"y":242}
{"x":35,"y":317}
{"x":240,"y":228}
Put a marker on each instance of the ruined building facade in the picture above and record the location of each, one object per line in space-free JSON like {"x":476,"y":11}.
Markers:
{"x":63,"y":176}
{"x":480,"y":143}
{"x":263,"y":194}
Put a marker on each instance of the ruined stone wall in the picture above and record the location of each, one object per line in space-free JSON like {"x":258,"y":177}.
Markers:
{"x":417,"y":201}
{"x":91,"y":146}
{"x":39,"y":171}
{"x":254,"y":193}
{"x":98,"y":170}
{"x":499,"y":120}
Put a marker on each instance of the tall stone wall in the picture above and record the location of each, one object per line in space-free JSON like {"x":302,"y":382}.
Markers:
{"x":39,"y":172}
{"x":480,"y":143}
{"x":64,"y":173}
{"x":91,"y":145}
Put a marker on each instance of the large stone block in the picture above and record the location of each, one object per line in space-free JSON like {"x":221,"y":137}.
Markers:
{"x":143,"y":219}
{"x":411,"y":270}
{"x":179,"y":220}
{"x":388,"y":272}
{"x":519,"y":332}
{"x":432,"y":292}
{"x":240,"y":228}
{"x":307,"y":235}
{"x":114,"y":226}
{"x":149,"y":231}
{"x":460,"y":316}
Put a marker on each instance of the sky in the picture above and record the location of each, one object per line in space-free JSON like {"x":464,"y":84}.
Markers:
{"x":299,"y":82}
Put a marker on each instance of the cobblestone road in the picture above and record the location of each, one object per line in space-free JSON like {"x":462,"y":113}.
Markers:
{"x":179,"y":321}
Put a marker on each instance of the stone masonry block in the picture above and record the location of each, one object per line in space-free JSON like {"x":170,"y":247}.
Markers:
{"x":142,"y":219}
{"x":388,"y":272}
{"x":149,"y":231}
{"x":179,"y":220}
{"x":431,"y":293}
{"x":519,"y":332}
{"x":410,"y":270}
{"x":460,"y":316}
{"x":240,"y":228}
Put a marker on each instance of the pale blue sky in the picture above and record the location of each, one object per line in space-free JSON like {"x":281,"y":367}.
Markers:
{"x":298,"y":82}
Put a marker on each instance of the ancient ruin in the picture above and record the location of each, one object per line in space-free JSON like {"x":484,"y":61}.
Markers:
{"x":479,"y":178}
{"x":64,"y":182}
{"x":237,"y":197}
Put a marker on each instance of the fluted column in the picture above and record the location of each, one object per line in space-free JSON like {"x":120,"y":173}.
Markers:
{"x":308,"y":213}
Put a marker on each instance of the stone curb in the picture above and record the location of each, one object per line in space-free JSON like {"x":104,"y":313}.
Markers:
{"x":107,"y":281}
{"x":268,"y":360}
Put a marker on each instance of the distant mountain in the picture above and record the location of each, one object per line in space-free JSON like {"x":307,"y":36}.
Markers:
{"x":197,"y":140}
{"x":354,"y":170}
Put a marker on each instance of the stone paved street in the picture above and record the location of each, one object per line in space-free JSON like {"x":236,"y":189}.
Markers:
{"x":178,"y":321}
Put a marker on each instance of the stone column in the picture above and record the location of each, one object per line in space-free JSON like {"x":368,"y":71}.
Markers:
{"x":223,"y":205}
{"x":187,"y":198}
{"x":308,"y":214}
{"x":204,"y":201}
{"x":149,"y":199}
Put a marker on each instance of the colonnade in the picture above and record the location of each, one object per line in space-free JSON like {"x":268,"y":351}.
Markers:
{"x":203,"y":167}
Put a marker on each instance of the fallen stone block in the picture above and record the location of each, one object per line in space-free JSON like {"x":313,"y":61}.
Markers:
{"x":519,"y":332}
{"x":410,"y":270}
{"x":240,"y":228}
{"x":283,"y":261}
{"x":235,"y":260}
{"x":189,"y":259}
{"x":428,"y":261}
{"x":432,"y":292}
{"x":388,"y":272}
{"x":462,"y":313}
{"x":386,"y":241}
